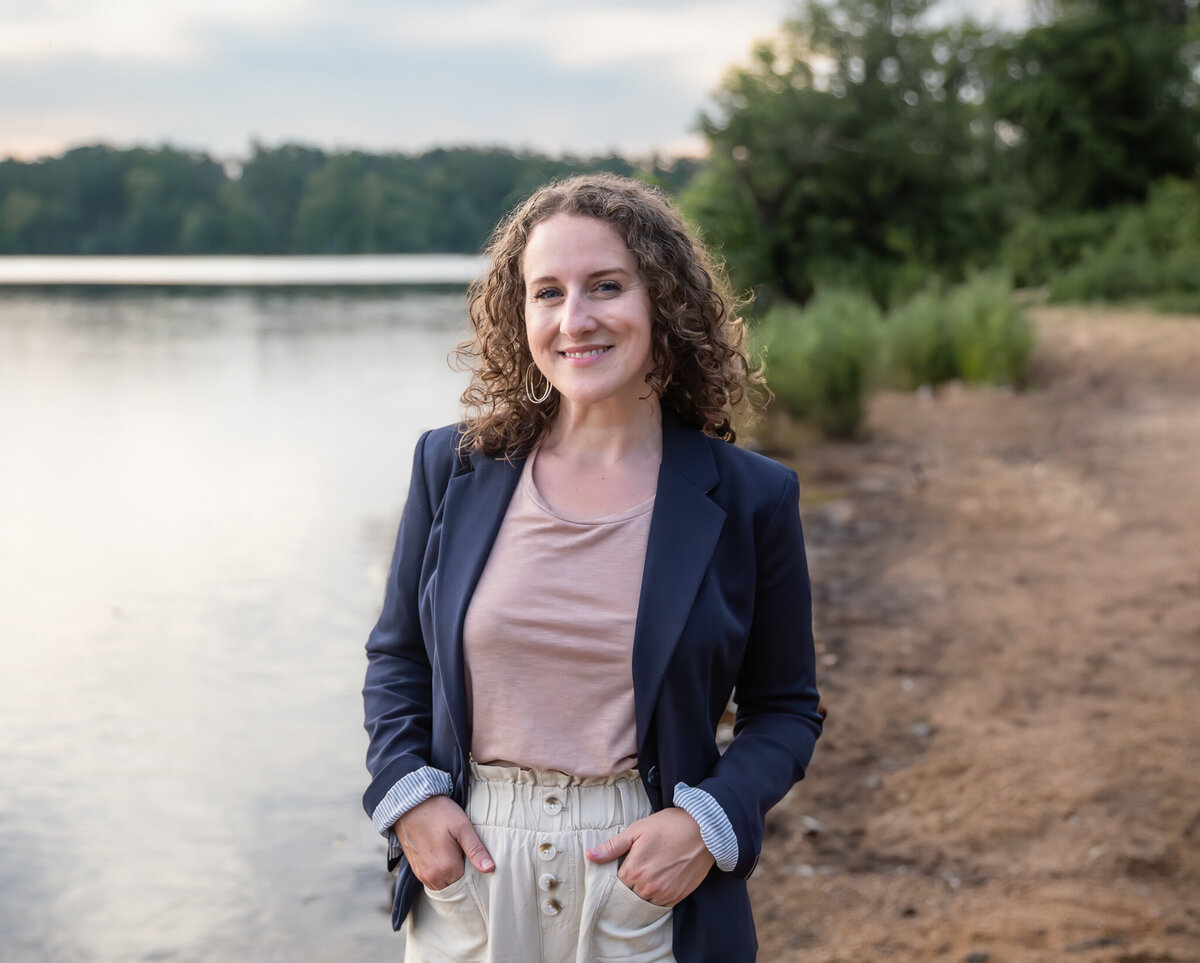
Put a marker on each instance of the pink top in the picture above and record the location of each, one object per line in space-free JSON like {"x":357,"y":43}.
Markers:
{"x":548,"y":638}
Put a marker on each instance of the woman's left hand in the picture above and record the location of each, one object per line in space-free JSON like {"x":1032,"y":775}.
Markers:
{"x":665,"y":858}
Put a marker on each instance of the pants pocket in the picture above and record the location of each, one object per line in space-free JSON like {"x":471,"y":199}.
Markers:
{"x":448,"y":925}
{"x":629,"y":928}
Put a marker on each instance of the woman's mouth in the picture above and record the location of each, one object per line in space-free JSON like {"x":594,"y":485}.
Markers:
{"x":585,"y":353}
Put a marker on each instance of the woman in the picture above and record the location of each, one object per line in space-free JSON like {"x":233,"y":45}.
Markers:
{"x":585,"y":570}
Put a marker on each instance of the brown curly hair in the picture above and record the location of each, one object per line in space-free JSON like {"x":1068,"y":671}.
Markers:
{"x":700,"y":367}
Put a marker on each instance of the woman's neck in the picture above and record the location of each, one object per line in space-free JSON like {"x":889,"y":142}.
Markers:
{"x":605,"y":435}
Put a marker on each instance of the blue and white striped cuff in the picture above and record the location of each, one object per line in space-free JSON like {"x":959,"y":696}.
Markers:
{"x":715,"y":828}
{"x":413,"y":789}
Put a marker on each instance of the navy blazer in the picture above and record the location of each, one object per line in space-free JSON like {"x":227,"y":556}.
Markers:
{"x":725,"y":605}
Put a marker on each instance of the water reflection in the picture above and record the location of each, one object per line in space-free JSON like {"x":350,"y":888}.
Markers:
{"x":197,"y":499}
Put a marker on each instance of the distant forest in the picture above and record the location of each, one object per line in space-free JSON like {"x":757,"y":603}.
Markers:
{"x":289,"y":199}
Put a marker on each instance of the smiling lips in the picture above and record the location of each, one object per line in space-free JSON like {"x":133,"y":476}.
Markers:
{"x":589,"y":353}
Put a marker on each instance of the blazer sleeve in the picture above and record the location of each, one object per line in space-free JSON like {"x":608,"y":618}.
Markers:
{"x":398,"y":692}
{"x":777,"y":721}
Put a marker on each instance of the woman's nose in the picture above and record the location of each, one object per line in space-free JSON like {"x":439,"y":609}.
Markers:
{"x":578,"y":318}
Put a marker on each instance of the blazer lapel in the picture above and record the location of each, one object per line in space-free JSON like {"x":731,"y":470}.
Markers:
{"x":476,"y":500}
{"x":683,"y":534}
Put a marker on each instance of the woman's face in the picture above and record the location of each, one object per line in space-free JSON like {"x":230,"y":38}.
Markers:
{"x":587,"y":312}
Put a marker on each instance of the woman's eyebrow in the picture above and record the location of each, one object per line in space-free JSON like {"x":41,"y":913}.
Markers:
{"x":547,"y":278}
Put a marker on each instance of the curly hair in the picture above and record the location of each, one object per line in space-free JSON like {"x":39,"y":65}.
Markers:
{"x":700,"y":366}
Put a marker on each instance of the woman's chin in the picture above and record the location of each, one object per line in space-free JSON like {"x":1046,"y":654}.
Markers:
{"x":599,"y":399}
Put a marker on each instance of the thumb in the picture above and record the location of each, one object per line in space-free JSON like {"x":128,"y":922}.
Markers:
{"x":473,"y":848}
{"x":611,"y":848}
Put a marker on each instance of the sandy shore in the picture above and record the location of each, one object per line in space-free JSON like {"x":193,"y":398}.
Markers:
{"x":1008,"y":620}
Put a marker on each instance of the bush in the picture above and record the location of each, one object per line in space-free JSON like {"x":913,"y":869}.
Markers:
{"x":920,"y":340}
{"x":1040,"y":248}
{"x":992,"y":339}
{"x":1107,"y":275}
{"x":974,"y":331}
{"x":821,"y":360}
{"x":1152,"y":253}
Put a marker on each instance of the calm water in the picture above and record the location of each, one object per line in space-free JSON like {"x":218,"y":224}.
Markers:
{"x":197,"y":501}
{"x":260,"y":271}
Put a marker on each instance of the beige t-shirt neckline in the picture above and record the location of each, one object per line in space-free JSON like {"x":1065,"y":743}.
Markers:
{"x":537,"y":498}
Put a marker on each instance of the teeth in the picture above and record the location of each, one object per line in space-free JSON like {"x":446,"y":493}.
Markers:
{"x":585,"y":354}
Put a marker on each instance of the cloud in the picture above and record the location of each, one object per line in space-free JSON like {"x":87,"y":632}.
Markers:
{"x":301,"y":90}
{"x":521,"y":73}
{"x":151,"y":30}
{"x":694,"y":40}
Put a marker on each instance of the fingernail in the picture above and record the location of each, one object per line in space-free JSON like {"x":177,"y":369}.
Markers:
{"x":486,"y":865}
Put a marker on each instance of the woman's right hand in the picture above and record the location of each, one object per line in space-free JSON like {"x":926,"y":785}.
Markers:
{"x":435,"y":836}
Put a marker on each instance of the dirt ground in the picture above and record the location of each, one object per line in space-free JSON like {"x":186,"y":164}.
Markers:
{"x":1007,"y":600}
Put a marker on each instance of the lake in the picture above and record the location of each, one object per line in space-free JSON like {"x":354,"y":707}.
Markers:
{"x":256,"y":271}
{"x":198,"y":497}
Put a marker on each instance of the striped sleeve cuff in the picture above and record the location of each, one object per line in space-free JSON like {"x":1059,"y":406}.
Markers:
{"x":715,"y":828}
{"x":413,"y":789}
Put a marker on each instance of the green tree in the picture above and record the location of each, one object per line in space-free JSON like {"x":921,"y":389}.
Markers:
{"x":18,"y":220}
{"x":84,"y":191}
{"x":1100,"y":102}
{"x":172,"y":202}
{"x":273,"y":180}
{"x":852,"y":151}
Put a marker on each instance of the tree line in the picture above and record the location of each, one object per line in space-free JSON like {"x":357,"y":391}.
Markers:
{"x":289,"y":199}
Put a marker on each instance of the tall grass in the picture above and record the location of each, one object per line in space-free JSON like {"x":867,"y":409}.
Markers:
{"x":920,"y":342}
{"x":822,"y":359}
{"x":974,"y":332}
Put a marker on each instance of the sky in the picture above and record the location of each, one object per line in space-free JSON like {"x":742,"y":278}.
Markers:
{"x":559,"y":76}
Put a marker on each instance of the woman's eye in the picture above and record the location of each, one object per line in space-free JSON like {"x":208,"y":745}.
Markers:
{"x":608,"y":287}
{"x":544,"y":294}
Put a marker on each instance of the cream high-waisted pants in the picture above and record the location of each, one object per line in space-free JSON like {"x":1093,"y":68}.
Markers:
{"x":545,"y":902}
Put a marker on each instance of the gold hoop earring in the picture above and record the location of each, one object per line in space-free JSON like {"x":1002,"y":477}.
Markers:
{"x":545,"y":393}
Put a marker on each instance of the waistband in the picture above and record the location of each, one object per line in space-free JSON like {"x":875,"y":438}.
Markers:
{"x":543,"y":800}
